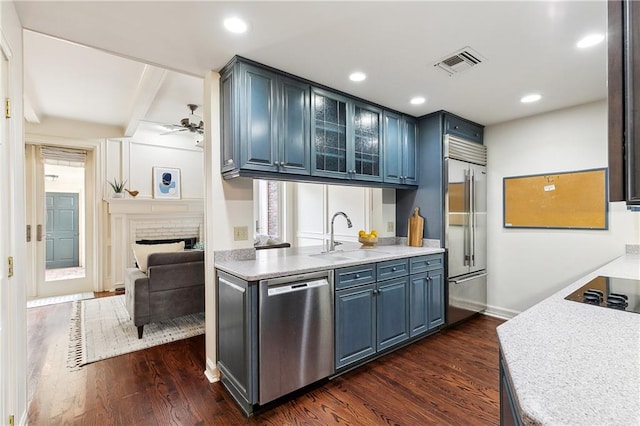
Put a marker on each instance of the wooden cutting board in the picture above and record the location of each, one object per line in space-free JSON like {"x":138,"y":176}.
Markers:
{"x":415,"y":229}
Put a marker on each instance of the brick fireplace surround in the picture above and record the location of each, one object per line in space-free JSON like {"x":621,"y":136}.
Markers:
{"x":137,"y":219}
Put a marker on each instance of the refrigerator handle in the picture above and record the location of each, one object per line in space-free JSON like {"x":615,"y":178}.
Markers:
{"x":467,"y":209}
{"x":472,"y":231}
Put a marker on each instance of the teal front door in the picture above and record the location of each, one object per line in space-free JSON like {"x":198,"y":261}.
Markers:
{"x":61,"y":230}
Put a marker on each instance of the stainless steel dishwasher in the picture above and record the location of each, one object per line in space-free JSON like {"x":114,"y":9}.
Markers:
{"x":295,"y":333}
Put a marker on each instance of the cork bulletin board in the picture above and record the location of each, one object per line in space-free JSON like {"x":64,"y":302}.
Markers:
{"x":566,"y":200}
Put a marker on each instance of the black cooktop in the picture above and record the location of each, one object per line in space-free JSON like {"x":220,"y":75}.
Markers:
{"x":615,"y":293}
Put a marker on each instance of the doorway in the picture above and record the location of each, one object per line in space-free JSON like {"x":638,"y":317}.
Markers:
{"x":59,"y":210}
{"x":63,"y":224}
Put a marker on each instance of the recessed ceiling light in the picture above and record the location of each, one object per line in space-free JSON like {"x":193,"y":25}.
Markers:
{"x":590,"y":40}
{"x":533,"y":97}
{"x":235,"y":25}
{"x":357,"y":76}
{"x":418,"y":100}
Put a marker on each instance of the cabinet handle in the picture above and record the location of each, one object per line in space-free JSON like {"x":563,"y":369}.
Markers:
{"x":357,"y":275}
{"x":376,"y":291}
{"x":428,"y":263}
{"x":393,"y":269}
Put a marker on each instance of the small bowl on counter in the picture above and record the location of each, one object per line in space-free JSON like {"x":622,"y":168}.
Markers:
{"x":368,"y":242}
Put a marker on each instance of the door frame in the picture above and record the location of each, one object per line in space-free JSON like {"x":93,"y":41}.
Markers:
{"x":7,"y":247}
{"x":94,"y":209}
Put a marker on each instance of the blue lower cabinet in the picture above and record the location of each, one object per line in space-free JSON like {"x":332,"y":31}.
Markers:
{"x":419,"y":300}
{"x":379,"y":306}
{"x":426,"y":301}
{"x":509,"y":413}
{"x":355,"y":324}
{"x":392,"y":298}
{"x":436,"y":298}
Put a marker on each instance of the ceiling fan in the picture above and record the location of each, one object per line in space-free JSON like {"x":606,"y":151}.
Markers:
{"x":193,"y":123}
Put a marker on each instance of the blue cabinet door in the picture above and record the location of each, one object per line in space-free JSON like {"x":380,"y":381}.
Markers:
{"x":436,"y":298}
{"x":366,"y":150}
{"x":392,"y":147}
{"x":229,"y":131}
{"x":392,"y":297}
{"x":418,"y":304}
{"x":355,"y":331}
{"x":258,"y":131}
{"x":400,"y":149}
{"x":294,"y":134}
{"x":410,"y":152}
{"x":237,"y":325}
{"x":330,"y":132}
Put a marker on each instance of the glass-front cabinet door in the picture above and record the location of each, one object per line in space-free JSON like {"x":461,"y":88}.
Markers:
{"x":367,"y":141}
{"x":346,"y":138}
{"x":329,"y":134}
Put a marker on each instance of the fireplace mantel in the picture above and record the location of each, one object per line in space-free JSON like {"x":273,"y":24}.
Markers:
{"x":151,"y":206}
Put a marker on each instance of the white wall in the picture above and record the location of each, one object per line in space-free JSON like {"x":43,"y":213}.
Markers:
{"x":527,"y":265}
{"x":315,"y":204}
{"x":134,"y":161}
{"x":228,"y":203}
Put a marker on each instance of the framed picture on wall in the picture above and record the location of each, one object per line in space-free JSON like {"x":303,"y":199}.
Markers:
{"x":166,"y":183}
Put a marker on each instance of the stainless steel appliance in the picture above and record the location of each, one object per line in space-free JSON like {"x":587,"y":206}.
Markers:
{"x":295,"y":333}
{"x":609,"y":292}
{"x":465,"y":186}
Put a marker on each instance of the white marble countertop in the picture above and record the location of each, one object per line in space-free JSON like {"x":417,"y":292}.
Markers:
{"x":576,"y":364}
{"x":297,"y":260}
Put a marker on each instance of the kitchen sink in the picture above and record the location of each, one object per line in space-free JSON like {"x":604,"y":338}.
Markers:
{"x":349,"y":254}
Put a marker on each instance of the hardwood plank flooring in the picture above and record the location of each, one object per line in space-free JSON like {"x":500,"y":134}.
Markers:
{"x":450,"y":378}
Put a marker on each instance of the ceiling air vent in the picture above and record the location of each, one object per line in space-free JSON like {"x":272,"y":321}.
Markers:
{"x":459,"y":61}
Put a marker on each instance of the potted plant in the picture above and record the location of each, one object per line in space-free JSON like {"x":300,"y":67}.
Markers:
{"x":118,"y":187}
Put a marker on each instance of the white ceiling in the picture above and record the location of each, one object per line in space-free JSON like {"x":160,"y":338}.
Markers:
{"x":528,"y":46}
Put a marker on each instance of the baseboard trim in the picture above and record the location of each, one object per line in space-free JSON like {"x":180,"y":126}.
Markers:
{"x":212,"y":373}
{"x":501,"y":313}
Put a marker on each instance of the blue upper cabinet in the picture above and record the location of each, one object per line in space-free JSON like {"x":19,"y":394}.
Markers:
{"x":295,"y":129}
{"x":460,"y":127}
{"x":258,"y":133}
{"x":265,"y":124}
{"x":346,"y":138}
{"x":329,"y":134}
{"x":367,"y":143}
{"x":277,"y":123}
{"x":400,"y":149}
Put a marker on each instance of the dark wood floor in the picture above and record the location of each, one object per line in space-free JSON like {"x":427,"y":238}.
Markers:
{"x":449,"y":378}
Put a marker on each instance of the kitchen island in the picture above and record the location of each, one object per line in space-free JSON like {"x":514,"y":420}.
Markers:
{"x":287,"y":318}
{"x":566,"y":362}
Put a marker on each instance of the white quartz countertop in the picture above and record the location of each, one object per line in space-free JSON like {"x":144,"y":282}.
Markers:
{"x":280,"y":262}
{"x":572,"y":363}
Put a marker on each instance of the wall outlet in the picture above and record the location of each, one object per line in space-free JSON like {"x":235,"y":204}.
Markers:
{"x":240,"y":233}
{"x":389,"y":226}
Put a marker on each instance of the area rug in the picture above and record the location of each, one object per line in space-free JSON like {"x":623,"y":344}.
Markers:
{"x":101,"y":328}
{"x":44,"y":301}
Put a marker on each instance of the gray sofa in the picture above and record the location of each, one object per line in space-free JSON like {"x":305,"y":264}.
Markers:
{"x":172,"y":287}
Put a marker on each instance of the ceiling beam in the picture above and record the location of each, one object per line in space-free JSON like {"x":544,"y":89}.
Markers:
{"x":150,"y":83}
{"x":30,"y":112}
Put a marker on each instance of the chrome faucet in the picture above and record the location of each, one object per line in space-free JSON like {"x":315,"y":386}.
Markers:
{"x":332,"y":243}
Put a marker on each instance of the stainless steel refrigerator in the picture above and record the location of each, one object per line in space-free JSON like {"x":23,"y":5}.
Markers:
{"x":465,"y":173}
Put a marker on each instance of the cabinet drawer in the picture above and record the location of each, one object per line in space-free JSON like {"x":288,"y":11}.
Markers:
{"x":425,"y":263}
{"x":393,"y":269}
{"x":465,"y":129}
{"x":355,"y":275}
